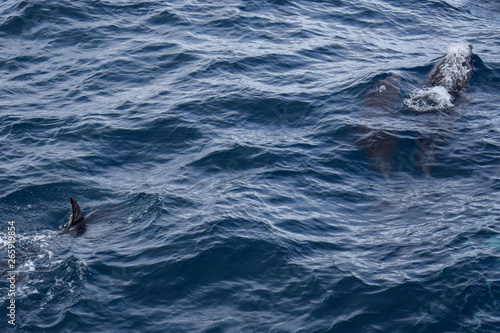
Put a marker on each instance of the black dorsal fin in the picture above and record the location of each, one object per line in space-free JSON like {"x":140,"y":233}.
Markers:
{"x":77,"y":216}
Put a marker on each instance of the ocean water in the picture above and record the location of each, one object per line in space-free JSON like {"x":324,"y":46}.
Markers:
{"x":218,"y":151}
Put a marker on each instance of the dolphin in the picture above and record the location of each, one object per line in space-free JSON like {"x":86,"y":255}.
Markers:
{"x":77,"y":224}
{"x":31,"y":253}
{"x":75,"y":227}
{"x":384,"y":94}
{"x":454,"y":70}
{"x":379,"y":144}
{"x":450,"y":75}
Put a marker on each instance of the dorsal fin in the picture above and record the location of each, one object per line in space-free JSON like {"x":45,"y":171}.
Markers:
{"x":77,"y":213}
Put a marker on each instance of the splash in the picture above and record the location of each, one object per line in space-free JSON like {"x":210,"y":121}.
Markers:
{"x":429,"y":99}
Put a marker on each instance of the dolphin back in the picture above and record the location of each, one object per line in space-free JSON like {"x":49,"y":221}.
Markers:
{"x":454,"y":71}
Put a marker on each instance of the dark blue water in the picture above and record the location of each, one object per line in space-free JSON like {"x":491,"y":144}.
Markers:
{"x":215,"y":150}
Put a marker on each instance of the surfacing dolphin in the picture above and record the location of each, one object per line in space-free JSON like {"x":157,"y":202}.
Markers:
{"x":449,"y":76}
{"x":77,"y":224}
{"x":454,"y":70}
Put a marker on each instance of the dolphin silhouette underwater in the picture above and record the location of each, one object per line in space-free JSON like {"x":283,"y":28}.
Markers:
{"x":77,"y":224}
{"x":379,"y":144}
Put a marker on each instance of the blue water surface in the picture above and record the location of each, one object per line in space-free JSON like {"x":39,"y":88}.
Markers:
{"x":214,"y":148}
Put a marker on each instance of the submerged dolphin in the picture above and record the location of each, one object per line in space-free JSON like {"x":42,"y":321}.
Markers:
{"x":379,"y":144}
{"x":77,"y":224}
{"x":384,"y":94}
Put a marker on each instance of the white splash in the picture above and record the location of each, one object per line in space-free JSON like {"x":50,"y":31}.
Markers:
{"x":460,"y":49}
{"x":429,"y":99}
{"x":28,"y":266}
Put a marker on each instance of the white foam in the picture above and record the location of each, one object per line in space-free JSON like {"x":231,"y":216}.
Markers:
{"x":23,"y":291}
{"x":28,"y":266}
{"x":429,"y":99}
{"x":461,"y":49}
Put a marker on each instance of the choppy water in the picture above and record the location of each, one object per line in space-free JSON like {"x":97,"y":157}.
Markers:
{"x":215,"y":150}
